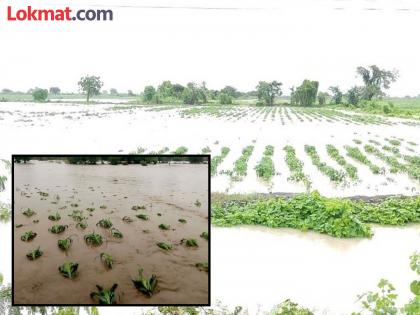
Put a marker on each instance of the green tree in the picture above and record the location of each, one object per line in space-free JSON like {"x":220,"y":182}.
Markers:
{"x":113,"y":91}
{"x":322,"y":98}
{"x":337,"y":95}
{"x":267,"y":91}
{"x":354,"y":95}
{"x":230,"y":90}
{"x":194,"y":94}
{"x":177,"y":90}
{"x":306,"y":93}
{"x":149,"y":93}
{"x":375,"y":80}
{"x":55,"y":90}
{"x":165,"y":89}
{"x":90,"y":85}
{"x":40,"y":95}
{"x":225,"y":98}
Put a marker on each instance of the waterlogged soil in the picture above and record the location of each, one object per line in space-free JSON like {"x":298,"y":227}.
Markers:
{"x":266,"y":266}
{"x":170,"y":190}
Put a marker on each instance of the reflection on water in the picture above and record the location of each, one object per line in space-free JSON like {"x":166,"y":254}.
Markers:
{"x":260,"y":266}
{"x":168,"y":190}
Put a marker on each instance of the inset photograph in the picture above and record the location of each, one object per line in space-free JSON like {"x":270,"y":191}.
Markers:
{"x":123,"y":229}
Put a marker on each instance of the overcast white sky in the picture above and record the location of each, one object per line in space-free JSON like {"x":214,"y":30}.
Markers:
{"x":287,"y":40}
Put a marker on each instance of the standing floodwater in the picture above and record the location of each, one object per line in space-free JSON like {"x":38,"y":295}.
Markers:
{"x":159,"y":203}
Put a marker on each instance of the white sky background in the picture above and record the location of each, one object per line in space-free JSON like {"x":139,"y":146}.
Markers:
{"x":287,"y":40}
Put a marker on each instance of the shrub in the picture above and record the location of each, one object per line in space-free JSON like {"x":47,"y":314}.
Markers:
{"x":40,"y":95}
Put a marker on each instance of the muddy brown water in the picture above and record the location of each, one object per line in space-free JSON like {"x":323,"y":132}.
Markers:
{"x":167,"y":189}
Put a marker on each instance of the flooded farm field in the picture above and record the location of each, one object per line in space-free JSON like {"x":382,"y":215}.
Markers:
{"x":151,"y":196}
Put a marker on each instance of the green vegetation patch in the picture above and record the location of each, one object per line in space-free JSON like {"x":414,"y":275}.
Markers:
{"x":241,"y":165}
{"x":333,"y":174}
{"x":296,"y":167}
{"x":356,"y":154}
{"x":333,"y":152}
{"x":265,"y":167}
{"x":218,"y":159}
{"x":342,"y":218}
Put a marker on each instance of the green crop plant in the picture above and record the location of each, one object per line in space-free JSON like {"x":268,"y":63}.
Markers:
{"x":356,"y":154}
{"x":205,"y":235}
{"x":241,"y":165}
{"x":333,"y":174}
{"x":69,"y":269}
{"x":191,"y":242}
{"x":336,"y":217}
{"x":83,"y":225}
{"x":197,"y":203}
{"x":351,"y":170}
{"x":105,"y":223}
{"x":138,"y":207}
{"x":77,"y":215}
{"x":90,"y":209}
{"x":34,"y":254}
{"x":394,"y":142}
{"x":145,"y":285}
{"x":265,"y":167}
{"x":29,"y":212}
{"x":105,"y":296}
{"x":116,"y":233}
{"x":43,"y":194}
{"x":390,"y":160}
{"x":164,"y":226}
{"x":142,"y":216}
{"x":357,"y":141}
{"x":182,"y":220}
{"x":18,"y":225}
{"x":202,"y":266}
{"x":296,"y":167}
{"x":159,"y":214}
{"x":102,"y":207}
{"x":217,"y":160}
{"x":75,"y":205}
{"x":28,"y":236}
{"x":58,"y":228}
{"x":107,"y":259}
{"x":93,"y":239}
{"x":164,"y":246}
{"x":127,"y":219}
{"x":65,"y":243}
{"x":35,"y":221}
{"x":54,"y":217}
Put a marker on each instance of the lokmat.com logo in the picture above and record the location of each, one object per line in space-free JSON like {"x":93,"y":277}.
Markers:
{"x":64,"y":14}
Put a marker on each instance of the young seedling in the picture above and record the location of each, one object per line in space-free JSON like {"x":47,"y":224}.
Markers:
{"x":189,"y":242}
{"x":103,"y":207}
{"x":107,"y":259}
{"x":82,"y":225}
{"x":164,"y":226}
{"x":75,"y":205}
{"x":18,"y":225}
{"x":144,"y":285}
{"x":142,"y":216}
{"x":105,"y":223}
{"x":29,"y":212}
{"x":43,"y":194}
{"x":127,"y":219}
{"x":105,"y":296}
{"x":34,"y":254}
{"x":77,"y":215}
{"x":164,"y":246}
{"x":35,"y":221}
{"x":90,"y":209}
{"x":93,"y":239}
{"x":54,"y":217}
{"x":197,"y":203}
{"x":159,"y":214}
{"x":68,"y":269}
{"x":182,"y":220}
{"x":138,"y":207}
{"x":202,"y":266}
{"x":28,"y":236}
{"x":58,"y":228}
{"x":65,"y":243}
{"x":205,"y":235}
{"x":116,"y":233}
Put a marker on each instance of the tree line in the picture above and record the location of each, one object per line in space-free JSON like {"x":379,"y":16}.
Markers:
{"x":375,"y":82}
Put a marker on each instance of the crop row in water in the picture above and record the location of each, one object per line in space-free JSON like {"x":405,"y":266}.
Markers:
{"x":356,"y":154}
{"x":336,"y":156}
{"x":241,"y":165}
{"x":333,"y":174}
{"x":296,"y":167}
{"x":218,"y":159}
{"x":265,"y":167}
{"x":342,"y":218}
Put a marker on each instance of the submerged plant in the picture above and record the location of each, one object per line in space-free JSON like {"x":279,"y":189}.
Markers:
{"x":77,"y":215}
{"x":127,"y":219}
{"x":205,"y":235}
{"x":18,"y":225}
{"x":116,"y":233}
{"x":197,"y":203}
{"x":105,"y":296}
{"x":68,"y":269}
{"x":90,"y":209}
{"x":107,"y":259}
{"x":164,"y":226}
{"x":65,"y":243}
{"x":58,"y":228}
{"x":93,"y":239}
{"x":138,"y":207}
{"x":189,"y":242}
{"x":142,"y":216}
{"x":29,"y":212}
{"x":74,"y":205}
{"x":35,"y":221}
{"x":82,"y":225}
{"x":28,"y":236}
{"x":54,"y":217}
{"x":34,"y":254}
{"x":182,"y":220}
{"x":103,"y":207}
{"x":202,"y":266}
{"x":105,"y":223}
{"x":147,"y":286}
{"x":164,"y":246}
